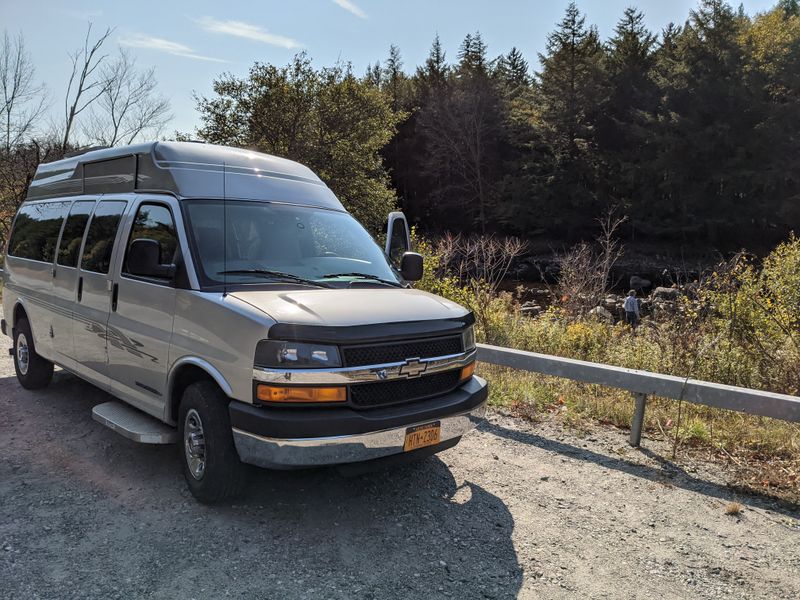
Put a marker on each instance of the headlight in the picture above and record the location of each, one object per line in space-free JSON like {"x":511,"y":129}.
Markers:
{"x":468,"y":338}
{"x":292,"y":355}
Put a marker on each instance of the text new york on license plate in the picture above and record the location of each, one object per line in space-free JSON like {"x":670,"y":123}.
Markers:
{"x":421,"y":436}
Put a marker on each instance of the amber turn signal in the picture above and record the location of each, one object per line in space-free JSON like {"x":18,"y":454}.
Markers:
{"x":281,"y":393}
{"x":466,"y":372}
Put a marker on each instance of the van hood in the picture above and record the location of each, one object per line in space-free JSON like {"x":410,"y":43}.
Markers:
{"x":351,"y":307}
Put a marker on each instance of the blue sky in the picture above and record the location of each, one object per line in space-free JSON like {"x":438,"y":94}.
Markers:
{"x":190,"y":43}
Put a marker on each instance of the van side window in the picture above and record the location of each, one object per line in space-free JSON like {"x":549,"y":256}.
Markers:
{"x":72,"y":236}
{"x":154,"y":222}
{"x":36,"y":231}
{"x":100,"y":238}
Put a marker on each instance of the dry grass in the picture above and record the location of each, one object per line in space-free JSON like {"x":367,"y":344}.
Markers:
{"x":734,"y":509}
{"x":759,"y":454}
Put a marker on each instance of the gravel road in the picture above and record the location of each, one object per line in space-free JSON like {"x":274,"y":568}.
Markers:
{"x":516,"y":510}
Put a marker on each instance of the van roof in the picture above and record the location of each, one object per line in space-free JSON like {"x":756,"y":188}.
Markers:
{"x":186,"y":170}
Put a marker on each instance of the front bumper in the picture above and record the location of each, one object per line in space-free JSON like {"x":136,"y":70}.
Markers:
{"x":339,"y":436}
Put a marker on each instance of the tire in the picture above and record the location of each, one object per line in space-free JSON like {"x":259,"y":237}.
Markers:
{"x":33,"y":371}
{"x":211,"y":465}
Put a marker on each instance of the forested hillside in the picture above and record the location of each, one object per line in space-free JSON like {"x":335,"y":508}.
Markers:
{"x":693,"y":131}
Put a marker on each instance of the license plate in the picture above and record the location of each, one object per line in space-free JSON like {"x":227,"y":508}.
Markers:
{"x":421,"y":436}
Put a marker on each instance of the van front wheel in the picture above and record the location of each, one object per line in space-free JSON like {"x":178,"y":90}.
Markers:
{"x":33,"y":371}
{"x":211,"y":466}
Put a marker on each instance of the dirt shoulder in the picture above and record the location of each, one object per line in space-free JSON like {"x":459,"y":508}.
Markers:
{"x":516,"y":510}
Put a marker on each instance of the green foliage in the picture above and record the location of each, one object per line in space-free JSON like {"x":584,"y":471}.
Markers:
{"x":744,"y":329}
{"x":327,"y":119}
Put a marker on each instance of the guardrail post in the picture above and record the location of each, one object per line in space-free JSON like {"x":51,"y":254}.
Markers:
{"x":638,"y":419}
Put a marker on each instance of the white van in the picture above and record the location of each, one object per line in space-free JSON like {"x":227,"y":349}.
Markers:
{"x":233,"y":305}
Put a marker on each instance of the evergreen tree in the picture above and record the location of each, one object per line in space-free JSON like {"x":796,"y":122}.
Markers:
{"x":512,"y":71}
{"x":772,"y":44}
{"x":407,"y":161}
{"x":374,"y":75}
{"x":517,"y":68}
{"x":472,"y":55}
{"x":433,"y":73}
{"x":625,"y":129}
{"x":716,"y":116}
{"x":569,"y":98}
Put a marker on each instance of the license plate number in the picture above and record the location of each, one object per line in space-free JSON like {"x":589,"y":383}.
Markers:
{"x":421,"y":436}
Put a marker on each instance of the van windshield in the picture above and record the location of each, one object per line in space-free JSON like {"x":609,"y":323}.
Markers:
{"x":256,"y":242}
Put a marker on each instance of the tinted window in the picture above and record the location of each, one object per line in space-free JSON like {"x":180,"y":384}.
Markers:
{"x":154,"y":222}
{"x":73,"y":233}
{"x":36,"y":231}
{"x":311,"y":243}
{"x":109,"y":176}
{"x":100,"y":237}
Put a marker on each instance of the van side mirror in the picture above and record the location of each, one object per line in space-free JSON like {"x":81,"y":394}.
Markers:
{"x":411,"y":266}
{"x":398,"y":237}
{"x":144,"y":260}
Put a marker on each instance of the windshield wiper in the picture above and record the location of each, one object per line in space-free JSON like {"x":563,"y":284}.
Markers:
{"x":362,"y":276}
{"x":276,"y":275}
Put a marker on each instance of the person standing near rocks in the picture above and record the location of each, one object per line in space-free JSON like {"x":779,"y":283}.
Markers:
{"x":631,"y":306}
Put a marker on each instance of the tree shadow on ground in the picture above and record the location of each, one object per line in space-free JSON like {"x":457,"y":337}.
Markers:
{"x":668,"y":473}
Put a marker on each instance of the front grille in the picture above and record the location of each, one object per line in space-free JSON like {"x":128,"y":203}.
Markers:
{"x":356,"y":356}
{"x":381,"y":393}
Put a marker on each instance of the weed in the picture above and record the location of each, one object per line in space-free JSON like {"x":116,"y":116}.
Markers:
{"x":734,"y":509}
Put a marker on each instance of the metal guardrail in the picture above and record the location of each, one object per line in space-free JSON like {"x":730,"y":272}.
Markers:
{"x":644,"y":383}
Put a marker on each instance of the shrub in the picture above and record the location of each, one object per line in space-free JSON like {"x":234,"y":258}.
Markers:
{"x":743,"y":329}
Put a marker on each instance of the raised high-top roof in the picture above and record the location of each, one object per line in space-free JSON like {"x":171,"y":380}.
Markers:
{"x":185,"y":169}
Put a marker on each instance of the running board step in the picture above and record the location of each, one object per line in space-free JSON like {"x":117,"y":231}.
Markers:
{"x":134,"y":424}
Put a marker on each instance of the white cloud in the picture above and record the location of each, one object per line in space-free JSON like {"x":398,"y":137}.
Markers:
{"x":149,"y":42}
{"x":247,"y":31}
{"x":351,"y":8}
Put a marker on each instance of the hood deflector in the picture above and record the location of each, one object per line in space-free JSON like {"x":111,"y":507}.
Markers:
{"x":373,"y":332}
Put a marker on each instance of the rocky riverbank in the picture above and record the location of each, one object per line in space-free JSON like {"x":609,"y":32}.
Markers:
{"x":660,"y":302}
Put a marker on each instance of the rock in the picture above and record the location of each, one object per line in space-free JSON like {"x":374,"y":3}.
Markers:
{"x":531,"y":310}
{"x":639,"y":283}
{"x":665,"y":293}
{"x":612,"y":303}
{"x":602,"y":314}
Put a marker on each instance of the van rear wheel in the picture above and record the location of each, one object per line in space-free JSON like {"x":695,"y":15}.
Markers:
{"x":211,"y":465}
{"x":33,"y":371}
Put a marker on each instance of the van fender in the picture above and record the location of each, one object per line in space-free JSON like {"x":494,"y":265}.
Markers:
{"x":200,"y":363}
{"x":20,"y":306}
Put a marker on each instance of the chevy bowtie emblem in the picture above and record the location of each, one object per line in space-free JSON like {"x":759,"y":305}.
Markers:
{"x":413,"y":368}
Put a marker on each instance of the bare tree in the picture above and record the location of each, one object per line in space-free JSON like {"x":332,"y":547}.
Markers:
{"x":482,"y":261}
{"x":23,"y":101}
{"x":85,"y":86}
{"x":460,"y":130}
{"x":128,"y":105}
{"x":585,"y":270}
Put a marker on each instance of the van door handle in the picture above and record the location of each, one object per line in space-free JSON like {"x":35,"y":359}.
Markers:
{"x":114,"y":296}
{"x":80,"y":288}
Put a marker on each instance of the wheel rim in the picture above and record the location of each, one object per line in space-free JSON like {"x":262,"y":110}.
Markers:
{"x":194,"y":444}
{"x":23,"y":354}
